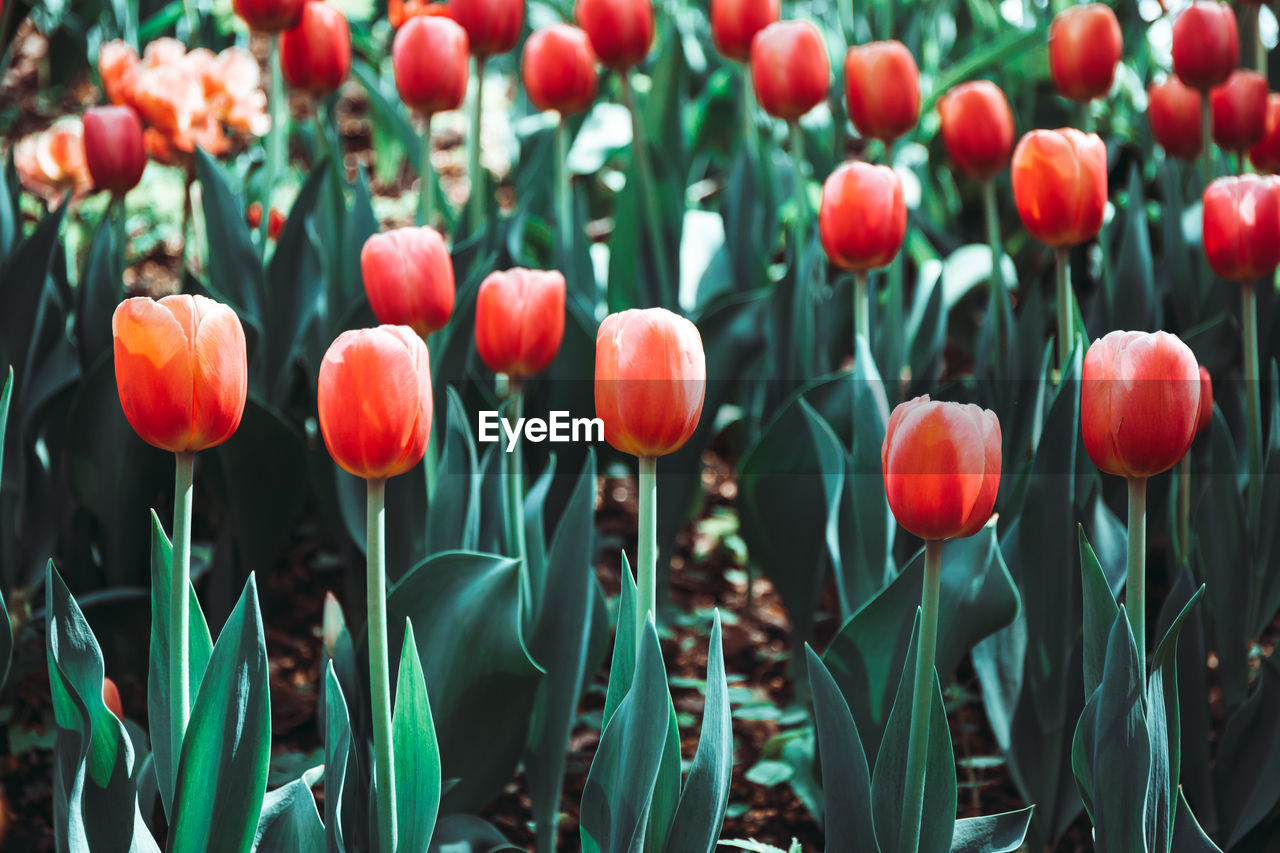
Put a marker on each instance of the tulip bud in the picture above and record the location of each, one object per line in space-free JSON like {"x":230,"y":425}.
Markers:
{"x":734,"y":23}
{"x":559,"y":69}
{"x":374,"y":401}
{"x":1084,"y":50}
{"x":520,"y":321}
{"x":1239,"y":110}
{"x":1060,"y":185}
{"x":1241,"y":218}
{"x":275,"y":220}
{"x":651,"y":379}
{"x":1139,"y":402}
{"x":113,"y":148}
{"x":621,"y":31}
{"x":941,"y":464}
{"x":111,"y":698}
{"x":1206,"y":44}
{"x":790,"y":69}
{"x":332,"y":624}
{"x":181,"y":370}
{"x":882,"y":89}
{"x":863,"y":216}
{"x":408,"y":277}
{"x":270,"y":16}
{"x":429,"y":56}
{"x":1206,"y":401}
{"x":977,"y":128}
{"x":493,"y":26}
{"x":1265,"y":156}
{"x":1173,"y":109}
{"x":315,"y":56}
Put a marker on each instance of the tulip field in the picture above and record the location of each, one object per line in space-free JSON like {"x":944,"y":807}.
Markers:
{"x":639,"y":426}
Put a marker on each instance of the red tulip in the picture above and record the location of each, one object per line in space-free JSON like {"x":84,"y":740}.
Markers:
{"x":651,"y":378}
{"x":520,"y":321}
{"x":408,"y":277}
{"x":863,"y":217}
{"x":559,"y":69}
{"x":270,"y":16}
{"x":315,"y":56}
{"x":275,"y":222}
{"x":1173,"y":109}
{"x":621,"y":31}
{"x":882,"y":89}
{"x":734,"y":23}
{"x":374,"y":400}
{"x":941,"y":464}
{"x":1139,"y":402}
{"x":181,"y":370}
{"x":790,"y":69}
{"x":113,"y":148}
{"x":977,"y":128}
{"x":1206,"y":401}
{"x":1084,"y":50}
{"x":1265,"y":156}
{"x":1240,"y":110}
{"x":1241,"y":221}
{"x":1206,"y":44}
{"x":493,"y":26}
{"x":429,"y":56}
{"x":1060,"y":185}
{"x":111,"y":698}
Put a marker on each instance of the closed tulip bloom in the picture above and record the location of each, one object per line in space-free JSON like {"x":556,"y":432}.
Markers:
{"x":1265,"y":156}
{"x":1240,"y":110}
{"x":1206,"y":401}
{"x":1139,"y":402}
{"x":1206,"y":44}
{"x":429,"y":56}
{"x":651,"y":379}
{"x":621,"y":31}
{"x":734,"y":23}
{"x":882,"y":89}
{"x":111,"y":698}
{"x":493,"y":26}
{"x":941,"y":465}
{"x":559,"y":69}
{"x":520,"y":321}
{"x":977,"y":128}
{"x":1060,"y":185}
{"x":790,"y":70}
{"x":374,"y":401}
{"x":181,"y":370}
{"x":113,"y":148}
{"x":1241,"y":221}
{"x":863,"y":216}
{"x":1173,"y":109}
{"x":1084,"y":50}
{"x":269,"y":16}
{"x":315,"y":56}
{"x":408,"y":277}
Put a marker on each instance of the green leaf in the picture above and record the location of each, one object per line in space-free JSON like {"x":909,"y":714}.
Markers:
{"x":453,"y":511}
{"x":417,"y":755}
{"x":1100,"y":610}
{"x":235,"y":272}
{"x":99,"y":292}
{"x":1188,"y":837}
{"x":6,"y":635}
{"x":832,"y":462}
{"x":623,"y":667}
{"x":846,"y":782}
{"x":223,"y":773}
{"x":464,"y":833}
{"x":1001,"y":833}
{"x":24,"y":275}
{"x":1135,"y":304}
{"x":337,"y":749}
{"x":290,"y":822}
{"x":1248,"y":753}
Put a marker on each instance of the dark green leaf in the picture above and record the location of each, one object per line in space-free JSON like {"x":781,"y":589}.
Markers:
{"x":1001,"y":833}
{"x":1121,"y":760}
{"x":453,"y":513}
{"x":417,"y":755}
{"x":290,"y":822}
{"x":846,"y":781}
{"x":337,"y":749}
{"x":1248,"y":754}
{"x":1100,"y":610}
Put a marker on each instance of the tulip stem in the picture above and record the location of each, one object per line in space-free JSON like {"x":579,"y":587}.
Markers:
{"x":1066,"y":331}
{"x":861,"y":310}
{"x":475,"y":202}
{"x":564,"y":199}
{"x":1249,"y":327}
{"x":427,"y":192}
{"x":1184,"y":508}
{"x":119,"y":218}
{"x":277,"y":139}
{"x":515,"y":494}
{"x":991,"y":212}
{"x":379,"y":669}
{"x":179,"y":612}
{"x":648,"y":196}
{"x":1206,"y":128}
{"x":922,"y":695}
{"x":1135,"y":596}
{"x":749,"y":135}
{"x":647,"y":545}
{"x":802,"y":212}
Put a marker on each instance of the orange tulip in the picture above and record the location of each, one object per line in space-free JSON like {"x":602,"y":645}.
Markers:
{"x":941,"y":466}
{"x":408,"y":277}
{"x":882,"y":89}
{"x":1239,"y":110}
{"x":429,"y":56}
{"x":374,"y":400}
{"x":734,"y":23}
{"x":977,"y":128}
{"x":1084,"y":50}
{"x":1241,"y":218}
{"x":651,"y":379}
{"x":1206,"y":44}
{"x":1060,"y":185}
{"x":863,"y":217}
{"x":790,"y":70}
{"x":181,"y":370}
{"x":315,"y":56}
{"x":118,"y":68}
{"x":1206,"y":401}
{"x":621,"y":31}
{"x":52,"y":162}
{"x":1265,"y":156}
{"x":1173,"y":109}
{"x":520,"y":320}
{"x":559,"y":69}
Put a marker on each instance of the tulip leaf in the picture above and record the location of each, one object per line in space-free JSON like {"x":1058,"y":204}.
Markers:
{"x":99,"y":292}
{"x":1001,"y":833}
{"x":222,"y":776}
{"x":623,"y":666}
{"x":337,"y":749}
{"x":235,"y":271}
{"x":453,"y":511}
{"x":417,"y":754}
{"x":833,"y":463}
{"x":24,"y":284}
{"x":1100,"y":610}
{"x":464,"y":833}
{"x":1248,"y":754}
{"x":848,"y":817}
{"x":290,"y":822}
{"x":1188,"y":837}
{"x":6,"y":631}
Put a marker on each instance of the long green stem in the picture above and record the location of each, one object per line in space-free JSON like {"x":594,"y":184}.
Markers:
{"x":475,"y":202}
{"x":1249,"y":326}
{"x":565,"y":227}
{"x":750,"y":138}
{"x":120,"y":220}
{"x":427,"y":193}
{"x":802,"y":205}
{"x":277,"y":140}
{"x":647,"y":545}
{"x":1135,"y":595}
{"x":1184,"y":508}
{"x":1206,"y":129}
{"x":922,"y":696}
{"x":515,"y":493}
{"x":861,"y":310}
{"x":991,"y":213}
{"x":379,"y":668}
{"x":648,"y":196}
{"x":179,"y":613}
{"x":1066,"y":330}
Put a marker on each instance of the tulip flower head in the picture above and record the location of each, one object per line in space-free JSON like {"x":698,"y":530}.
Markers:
{"x":790,"y":70}
{"x":315,"y":56}
{"x":113,"y":148}
{"x":977,"y":128}
{"x":399,"y":11}
{"x":429,"y":56}
{"x":52,"y":162}
{"x":111,"y":698}
{"x":1265,"y":156}
{"x":1060,"y":185}
{"x":559,"y":69}
{"x":651,"y":380}
{"x":1206,"y":401}
{"x":1139,"y":402}
{"x":374,"y":401}
{"x":621,"y":31}
{"x":493,"y":26}
{"x":734,"y":23}
{"x":1173,"y":109}
{"x":269,"y":16}
{"x":1239,"y":110}
{"x":941,"y":465}
{"x":1206,"y":44}
{"x":1241,"y":217}
{"x":1084,"y":50}
{"x":181,"y":370}
{"x":520,"y":321}
{"x":408,"y":277}
{"x":863,"y":218}
{"x":882,"y":89}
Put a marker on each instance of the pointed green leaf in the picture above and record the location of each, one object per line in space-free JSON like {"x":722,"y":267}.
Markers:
{"x":290,"y":822}
{"x":1001,"y":833}
{"x":453,"y":512}
{"x":337,"y":748}
{"x":846,"y":782}
{"x":1121,"y":758}
{"x":622,"y":669}
{"x":417,"y":755}
{"x":1188,"y":837}
{"x":1099,"y":614}
{"x":1248,"y":755}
